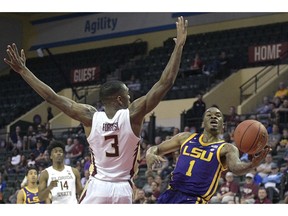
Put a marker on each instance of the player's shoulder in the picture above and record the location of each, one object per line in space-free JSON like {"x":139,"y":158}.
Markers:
{"x":45,"y":171}
{"x":74,"y":170}
{"x":22,"y":191}
{"x":228,"y":147}
{"x":182,"y":136}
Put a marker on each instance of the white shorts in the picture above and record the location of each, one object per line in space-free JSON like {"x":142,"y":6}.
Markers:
{"x":104,"y":192}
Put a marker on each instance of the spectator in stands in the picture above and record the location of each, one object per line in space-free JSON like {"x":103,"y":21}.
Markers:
{"x":282,"y":91}
{"x":68,"y":149}
{"x":31,"y":136}
{"x":85,"y":178}
{"x":232,"y":119}
{"x":282,"y":113}
{"x":44,"y":133}
{"x":17,"y":138}
{"x":155,"y":190}
{"x":195,"y":113}
{"x":160,"y":183}
{"x":8,"y":167}
{"x":187,"y":129}
{"x":272,"y":183}
{"x":222,"y":66}
{"x":283,"y":106}
{"x":48,"y":132}
{"x":257,"y":178}
{"x":284,"y":182}
{"x":277,"y":101}
{"x":23,"y":164}
{"x":265,"y":168}
{"x":15,"y":160}
{"x":262,"y":197}
{"x":43,"y":161}
{"x":176,"y":130}
{"x":196,"y":65}
{"x":264,"y":107}
{"x":286,"y":155}
{"x":147,"y":186}
{"x":77,"y":152}
{"x":273,"y":117}
{"x":283,"y":143}
{"x":139,"y":197}
{"x":134,"y":86}
{"x":249,"y":190}
{"x":274,"y":138}
{"x":38,"y":152}
{"x":227,"y":191}
{"x":86,"y":162}
{"x":80,"y":133}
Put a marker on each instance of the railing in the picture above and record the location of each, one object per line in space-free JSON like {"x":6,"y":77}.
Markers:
{"x":251,"y":86}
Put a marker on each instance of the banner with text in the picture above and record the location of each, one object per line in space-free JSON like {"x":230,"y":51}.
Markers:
{"x":76,"y":28}
{"x":267,"y":52}
{"x":82,"y":75}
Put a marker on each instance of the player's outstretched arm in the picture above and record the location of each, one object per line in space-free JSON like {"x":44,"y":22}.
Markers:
{"x":235,"y":165}
{"x":147,"y":103}
{"x":80,"y":112}
{"x":154,"y":154}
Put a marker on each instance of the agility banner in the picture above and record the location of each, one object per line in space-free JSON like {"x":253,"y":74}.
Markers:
{"x":77,"y":28}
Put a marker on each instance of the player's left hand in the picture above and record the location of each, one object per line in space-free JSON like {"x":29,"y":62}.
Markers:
{"x":258,"y":158}
{"x":153,"y":161}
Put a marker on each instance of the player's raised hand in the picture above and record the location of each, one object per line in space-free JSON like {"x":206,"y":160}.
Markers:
{"x":182,"y":26}
{"x":15,"y":61}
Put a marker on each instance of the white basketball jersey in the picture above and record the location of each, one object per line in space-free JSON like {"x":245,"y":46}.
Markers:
{"x":114,"y":147}
{"x":65,"y":192}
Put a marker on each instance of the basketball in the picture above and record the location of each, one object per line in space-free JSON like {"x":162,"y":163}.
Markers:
{"x":250,"y":136}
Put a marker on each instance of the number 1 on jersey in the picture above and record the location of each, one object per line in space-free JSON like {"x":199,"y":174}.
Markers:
{"x":189,"y":171}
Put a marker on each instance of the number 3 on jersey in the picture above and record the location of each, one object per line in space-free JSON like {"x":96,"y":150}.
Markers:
{"x":114,"y":144}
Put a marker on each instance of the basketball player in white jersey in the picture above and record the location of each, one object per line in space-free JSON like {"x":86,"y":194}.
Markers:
{"x":59,"y":182}
{"x":113,"y":135}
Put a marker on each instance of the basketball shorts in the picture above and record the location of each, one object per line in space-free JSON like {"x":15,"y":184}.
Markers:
{"x":103,"y":192}
{"x":171,"y":196}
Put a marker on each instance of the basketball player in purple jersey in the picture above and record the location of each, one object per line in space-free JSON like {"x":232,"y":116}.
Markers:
{"x":29,"y":193}
{"x":202,"y":158}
